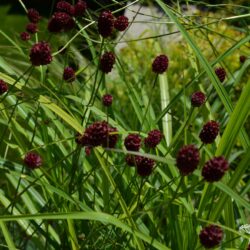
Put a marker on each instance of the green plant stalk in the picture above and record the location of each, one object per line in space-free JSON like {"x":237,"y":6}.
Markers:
{"x":165,"y":101}
{"x":120,"y":198}
{"x":73,"y":237}
{"x":7,"y":236}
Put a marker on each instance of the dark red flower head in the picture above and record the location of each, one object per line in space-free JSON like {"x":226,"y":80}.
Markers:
{"x":25,"y":36}
{"x":32,"y":160}
{"x":132,"y":160}
{"x":31,"y":28}
{"x":221,"y":73}
{"x":214,"y":169}
{"x":209,"y":132}
{"x":112,"y":138}
{"x":3,"y":87}
{"x":197,"y":99}
{"x":187,"y":159}
{"x":121,"y":23}
{"x":80,"y":8}
{"x":107,"y":61}
{"x":242,"y":58}
{"x":106,"y":23}
{"x":153,"y":139}
{"x":160,"y":64}
{"x":95,"y":135}
{"x":40,"y":54}
{"x":133,"y":142}
{"x":248,"y":248}
{"x":61,"y":21}
{"x":33,"y":15}
{"x":63,"y":6}
{"x":144,"y":166}
{"x":69,"y":74}
{"x":107,"y":100}
{"x":211,"y":236}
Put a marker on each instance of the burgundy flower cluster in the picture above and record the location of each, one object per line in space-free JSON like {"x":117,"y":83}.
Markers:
{"x":132,"y":142}
{"x":211,"y":236}
{"x":33,"y":160}
{"x":107,"y":22}
{"x":188,"y":157}
{"x":31,"y":28}
{"x":99,"y":133}
{"x":62,"y":18}
{"x":3,"y":87}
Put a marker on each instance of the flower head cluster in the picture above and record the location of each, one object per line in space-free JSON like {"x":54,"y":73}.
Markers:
{"x":187,"y":159}
{"x":33,"y":15}
{"x":25,"y":36}
{"x":214,"y":169}
{"x":107,"y":100}
{"x":69,"y":74}
{"x":80,"y":8}
{"x":40,"y":54}
{"x":63,"y":6}
{"x":99,"y":133}
{"x":106,"y":23}
{"x":221,"y":73}
{"x":60,"y":21}
{"x":197,"y":99}
{"x":132,"y":142}
{"x":211,"y":236}
{"x":32,"y":160}
{"x":242,"y":58}
{"x":160,"y":64}
{"x":3,"y":87}
{"x":107,"y":62}
{"x":121,"y":23}
{"x":209,"y":132}
{"x":153,"y":139}
{"x":31,"y":28}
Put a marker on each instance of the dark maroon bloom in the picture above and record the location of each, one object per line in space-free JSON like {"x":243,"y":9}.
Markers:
{"x":107,"y":100}
{"x":3,"y":87}
{"x":221,"y":73}
{"x":144,"y":166}
{"x":40,"y":54}
{"x":80,"y":8}
{"x":209,"y":132}
{"x":133,"y":142}
{"x":66,"y":7}
{"x":187,"y":159}
{"x":211,"y":236}
{"x":106,"y":23}
{"x":88,"y":151}
{"x":111,"y":138}
{"x":153,"y":139}
{"x":160,"y":64}
{"x":95,"y":135}
{"x":214,"y":169}
{"x":121,"y":23}
{"x":242,"y":58}
{"x":25,"y":36}
{"x":33,"y":15}
{"x":197,"y":99}
{"x":33,"y":160}
{"x":248,"y":248}
{"x":107,"y":61}
{"x":31,"y":28}
{"x":61,"y":21}
{"x":69,"y":74}
{"x":131,"y":160}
